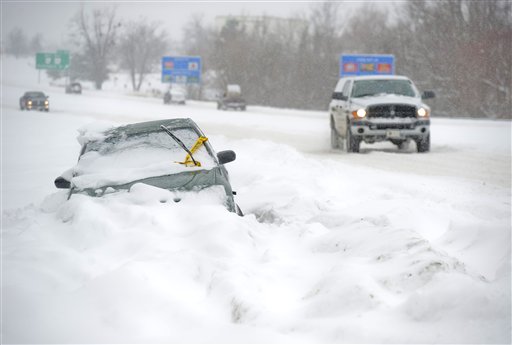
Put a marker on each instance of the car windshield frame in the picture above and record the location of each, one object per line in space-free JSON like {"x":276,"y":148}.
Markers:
{"x":374,"y":87}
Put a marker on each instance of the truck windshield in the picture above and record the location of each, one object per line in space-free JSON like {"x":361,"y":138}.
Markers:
{"x":363,"y":88}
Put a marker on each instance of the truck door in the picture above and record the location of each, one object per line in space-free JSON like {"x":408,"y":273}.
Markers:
{"x":344,"y":108}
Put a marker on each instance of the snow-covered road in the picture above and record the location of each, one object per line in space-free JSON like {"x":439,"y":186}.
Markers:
{"x":382,"y":246}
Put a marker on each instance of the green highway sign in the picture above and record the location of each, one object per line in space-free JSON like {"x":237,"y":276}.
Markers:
{"x":58,"y":60}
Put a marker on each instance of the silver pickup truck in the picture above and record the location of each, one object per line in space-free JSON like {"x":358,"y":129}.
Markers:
{"x":378,"y":108}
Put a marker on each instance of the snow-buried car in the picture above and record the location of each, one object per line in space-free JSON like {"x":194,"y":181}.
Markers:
{"x":171,"y":154}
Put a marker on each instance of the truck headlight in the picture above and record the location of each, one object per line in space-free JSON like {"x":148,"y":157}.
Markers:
{"x":29,"y":102}
{"x":422,"y":112}
{"x":359,"y":113}
{"x":46,"y":102}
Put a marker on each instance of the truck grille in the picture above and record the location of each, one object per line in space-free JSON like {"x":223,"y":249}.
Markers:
{"x":392,"y":126}
{"x":392,"y":110}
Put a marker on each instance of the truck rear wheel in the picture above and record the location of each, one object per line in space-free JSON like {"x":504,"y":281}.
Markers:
{"x":334,"y":139}
{"x":401,"y":144}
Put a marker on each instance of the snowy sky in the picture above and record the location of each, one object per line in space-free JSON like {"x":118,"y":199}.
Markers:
{"x":51,"y":18}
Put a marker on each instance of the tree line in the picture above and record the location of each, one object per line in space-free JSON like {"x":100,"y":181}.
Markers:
{"x":461,"y":49}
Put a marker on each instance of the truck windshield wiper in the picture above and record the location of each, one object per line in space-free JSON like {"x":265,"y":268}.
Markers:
{"x":179,"y":143}
{"x":365,"y":95}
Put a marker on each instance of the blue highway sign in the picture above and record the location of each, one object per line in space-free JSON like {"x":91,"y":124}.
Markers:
{"x":351,"y":65}
{"x":181,"y":69}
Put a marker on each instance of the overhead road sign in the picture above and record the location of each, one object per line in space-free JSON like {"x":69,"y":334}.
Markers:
{"x":58,"y":60}
{"x":181,"y":69}
{"x":352,"y":65}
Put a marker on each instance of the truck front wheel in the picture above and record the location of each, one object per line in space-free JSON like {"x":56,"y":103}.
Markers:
{"x":423,"y":144}
{"x":352,"y":142}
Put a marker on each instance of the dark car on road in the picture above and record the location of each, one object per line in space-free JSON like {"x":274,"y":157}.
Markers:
{"x":74,"y":88}
{"x":34,"y":100}
{"x":232,"y":99}
{"x":171,"y":154}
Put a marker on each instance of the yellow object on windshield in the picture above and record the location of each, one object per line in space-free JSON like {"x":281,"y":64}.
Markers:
{"x":188,"y":160}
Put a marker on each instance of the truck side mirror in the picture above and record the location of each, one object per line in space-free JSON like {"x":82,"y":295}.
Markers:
{"x":428,"y":95}
{"x":339,"y":95}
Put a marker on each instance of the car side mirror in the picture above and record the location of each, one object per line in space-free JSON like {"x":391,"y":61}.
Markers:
{"x":428,"y":95}
{"x":339,"y":95}
{"x":226,"y":156}
{"x":61,"y":182}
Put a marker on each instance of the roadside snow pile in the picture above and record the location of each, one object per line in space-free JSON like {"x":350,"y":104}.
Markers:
{"x":317,"y":258}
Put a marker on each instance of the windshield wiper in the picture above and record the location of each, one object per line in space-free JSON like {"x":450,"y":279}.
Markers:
{"x":364,"y":95}
{"x":179,"y":143}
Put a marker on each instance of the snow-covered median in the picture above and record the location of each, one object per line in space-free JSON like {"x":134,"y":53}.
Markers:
{"x":317,"y":258}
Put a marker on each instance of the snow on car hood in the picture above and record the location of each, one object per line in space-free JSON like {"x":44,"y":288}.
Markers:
{"x":133,"y":159}
{"x":95,"y":171}
{"x":388,"y":99}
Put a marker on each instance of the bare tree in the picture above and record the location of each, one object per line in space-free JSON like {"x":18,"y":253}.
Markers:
{"x":327,"y":24}
{"x":141,"y":47}
{"x":95,"y":35}
{"x":367,"y":39}
{"x":16,"y":43}
{"x":199,"y":40}
{"x":36,"y":43}
{"x":463,"y":50}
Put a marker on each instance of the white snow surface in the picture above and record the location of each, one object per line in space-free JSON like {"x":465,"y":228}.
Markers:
{"x":385,"y":246}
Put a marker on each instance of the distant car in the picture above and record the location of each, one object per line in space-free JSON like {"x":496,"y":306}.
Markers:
{"x":34,"y":100}
{"x":232,"y":99}
{"x":74,"y":88}
{"x":176,"y":96}
{"x":171,"y":154}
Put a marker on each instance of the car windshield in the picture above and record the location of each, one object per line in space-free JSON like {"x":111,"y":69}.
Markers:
{"x":123,"y":159}
{"x":363,"y":88}
{"x":35,"y":94}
